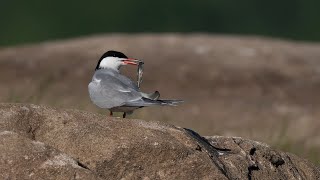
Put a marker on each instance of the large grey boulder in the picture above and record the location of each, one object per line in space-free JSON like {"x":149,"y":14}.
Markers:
{"x":38,"y":141}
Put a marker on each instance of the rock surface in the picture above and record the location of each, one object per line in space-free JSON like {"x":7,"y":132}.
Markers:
{"x":38,"y":141}
{"x":24,"y":158}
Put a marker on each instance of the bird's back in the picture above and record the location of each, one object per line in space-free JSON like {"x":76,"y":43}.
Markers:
{"x":109,"y":89}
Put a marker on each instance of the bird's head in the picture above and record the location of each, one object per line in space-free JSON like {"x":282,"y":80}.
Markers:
{"x":114,"y":60}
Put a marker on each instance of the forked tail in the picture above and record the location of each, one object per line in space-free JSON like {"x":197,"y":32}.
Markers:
{"x":170,"y":102}
{"x":149,"y":102}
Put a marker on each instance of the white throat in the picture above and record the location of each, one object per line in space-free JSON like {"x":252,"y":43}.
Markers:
{"x":110,"y":62}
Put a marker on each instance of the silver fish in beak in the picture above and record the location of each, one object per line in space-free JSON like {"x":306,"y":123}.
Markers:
{"x":140,"y":73}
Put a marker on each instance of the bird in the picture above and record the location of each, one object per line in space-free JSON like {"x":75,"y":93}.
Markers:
{"x":111,"y":90}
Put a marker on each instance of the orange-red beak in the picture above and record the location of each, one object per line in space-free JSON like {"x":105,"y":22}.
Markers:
{"x":131,"y":61}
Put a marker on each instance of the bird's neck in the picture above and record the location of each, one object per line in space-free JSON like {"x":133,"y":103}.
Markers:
{"x":114,"y":68}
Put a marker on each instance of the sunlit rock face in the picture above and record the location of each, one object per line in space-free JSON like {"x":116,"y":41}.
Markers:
{"x":42,"y":142}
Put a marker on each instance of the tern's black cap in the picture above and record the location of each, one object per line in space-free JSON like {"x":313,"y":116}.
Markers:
{"x":111,"y":54}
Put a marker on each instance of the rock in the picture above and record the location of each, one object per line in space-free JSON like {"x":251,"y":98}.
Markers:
{"x":23,"y":158}
{"x":38,"y":141}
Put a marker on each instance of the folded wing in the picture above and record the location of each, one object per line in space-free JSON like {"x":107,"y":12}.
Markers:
{"x":109,"y":90}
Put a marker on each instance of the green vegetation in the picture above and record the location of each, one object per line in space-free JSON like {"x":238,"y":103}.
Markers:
{"x":34,"y":21}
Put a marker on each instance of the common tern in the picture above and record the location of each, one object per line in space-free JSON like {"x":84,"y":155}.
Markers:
{"x":111,"y":90}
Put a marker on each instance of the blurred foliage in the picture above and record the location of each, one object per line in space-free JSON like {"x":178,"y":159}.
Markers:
{"x":36,"y":20}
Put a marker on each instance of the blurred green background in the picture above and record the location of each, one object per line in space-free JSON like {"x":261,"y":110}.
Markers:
{"x":36,"y":20}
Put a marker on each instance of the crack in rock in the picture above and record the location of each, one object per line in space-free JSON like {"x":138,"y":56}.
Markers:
{"x":250,"y":169}
{"x":212,"y":151}
{"x":276,"y":160}
{"x":252,"y":151}
{"x":27,"y":114}
{"x":253,"y":165}
{"x":83,"y":165}
{"x":295,"y":171}
{"x":198,"y":148}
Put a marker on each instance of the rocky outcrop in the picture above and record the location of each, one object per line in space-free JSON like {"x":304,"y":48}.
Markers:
{"x":38,"y":141}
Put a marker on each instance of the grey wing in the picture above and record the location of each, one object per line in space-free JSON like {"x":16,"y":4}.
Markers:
{"x":108,"y":90}
{"x":128,"y":81}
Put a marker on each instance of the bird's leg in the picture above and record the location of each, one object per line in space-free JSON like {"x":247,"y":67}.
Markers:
{"x":124,"y":115}
{"x":111,"y":113}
